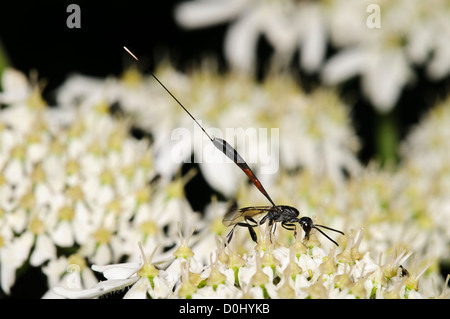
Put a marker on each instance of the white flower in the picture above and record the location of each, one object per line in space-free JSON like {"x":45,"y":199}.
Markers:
{"x":15,"y":87}
{"x":81,"y":185}
{"x":265,"y":121}
{"x":103,"y":287}
{"x":384,"y":57}
{"x":71,"y":182}
{"x":426,"y":156}
{"x":69,"y":273}
{"x":384,"y":72}
{"x":286,"y":25}
{"x":13,"y":254}
{"x":158,"y":289}
{"x":118,"y":277}
{"x":210,"y":228}
{"x":427,"y":34}
{"x":44,"y":248}
{"x":82,"y":88}
{"x":142,"y":274}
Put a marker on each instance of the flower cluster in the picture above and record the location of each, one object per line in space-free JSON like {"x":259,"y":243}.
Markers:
{"x":78,"y":193}
{"x":268,"y":270}
{"x":380,"y":41}
{"x":426,"y":157}
{"x":259,"y":117}
{"x":76,"y":188}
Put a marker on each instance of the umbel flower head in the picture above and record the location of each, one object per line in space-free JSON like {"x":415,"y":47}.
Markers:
{"x":379,"y":41}
{"x":75,"y":189}
{"x":275,"y":124}
{"x":78,"y":192}
{"x":276,"y":272}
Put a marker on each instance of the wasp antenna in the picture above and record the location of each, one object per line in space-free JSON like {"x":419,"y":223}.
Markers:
{"x":147,"y":70}
{"x":326,"y":235}
{"x":329,"y":228}
{"x":131,"y":53}
{"x":219,"y":143}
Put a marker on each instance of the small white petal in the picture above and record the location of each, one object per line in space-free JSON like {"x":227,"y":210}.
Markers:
{"x":44,"y":250}
{"x":78,"y":86}
{"x":18,"y":220}
{"x":14,"y":172}
{"x":419,"y":42}
{"x":281,"y":35}
{"x":43,"y":194}
{"x":89,"y":278}
{"x":313,"y":44}
{"x":12,"y":257}
{"x":241,"y":41}
{"x":384,"y":79}
{"x":118,"y":271}
{"x":173,"y":273}
{"x":343,"y":66}
{"x":221,"y":176}
{"x":98,"y":290}
{"x":197,"y":14}
{"x":81,"y":224}
{"x":15,"y":86}
{"x":63,"y":234}
{"x":171,"y":154}
{"x":102,"y":255}
{"x":138,"y":290}
{"x":19,"y":116}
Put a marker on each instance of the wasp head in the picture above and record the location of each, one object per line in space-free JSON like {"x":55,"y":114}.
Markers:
{"x":307,"y":224}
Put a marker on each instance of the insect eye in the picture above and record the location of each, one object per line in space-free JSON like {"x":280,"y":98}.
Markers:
{"x":305,"y":225}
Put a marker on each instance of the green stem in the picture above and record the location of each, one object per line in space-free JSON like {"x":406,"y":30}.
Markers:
{"x":4,"y":62}
{"x":386,"y":138}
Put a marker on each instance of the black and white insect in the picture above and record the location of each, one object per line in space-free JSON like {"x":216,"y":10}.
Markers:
{"x":246,"y":216}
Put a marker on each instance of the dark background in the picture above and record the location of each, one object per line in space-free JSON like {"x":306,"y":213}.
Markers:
{"x":35,"y":36}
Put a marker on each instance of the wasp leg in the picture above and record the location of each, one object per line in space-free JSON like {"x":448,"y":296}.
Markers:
{"x":253,"y":234}
{"x":230,"y":234}
{"x":247,"y":219}
{"x":263,"y":220}
{"x":273,"y":227}
{"x":250,"y":230}
{"x":290,"y":227}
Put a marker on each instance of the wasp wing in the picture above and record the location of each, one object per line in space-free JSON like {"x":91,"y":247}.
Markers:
{"x":234,"y":216}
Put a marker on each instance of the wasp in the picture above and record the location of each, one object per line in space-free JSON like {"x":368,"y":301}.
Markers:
{"x":246,"y":216}
{"x":286,"y":215}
